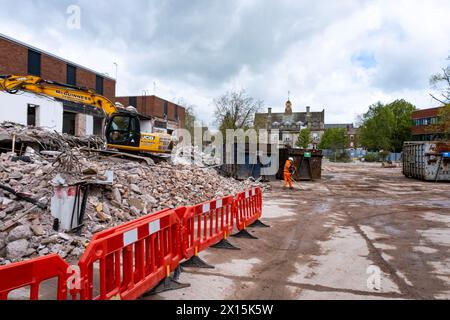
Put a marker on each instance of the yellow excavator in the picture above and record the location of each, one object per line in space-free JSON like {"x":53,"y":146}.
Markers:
{"x":126,"y":129}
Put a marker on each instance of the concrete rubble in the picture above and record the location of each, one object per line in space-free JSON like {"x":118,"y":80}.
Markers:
{"x":27,"y":230}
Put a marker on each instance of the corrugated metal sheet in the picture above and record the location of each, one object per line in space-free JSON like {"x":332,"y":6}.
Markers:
{"x":426,"y":161}
{"x":252,"y":166}
{"x":307,"y":168}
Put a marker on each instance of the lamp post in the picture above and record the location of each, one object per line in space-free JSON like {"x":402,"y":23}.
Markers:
{"x":117,"y":66}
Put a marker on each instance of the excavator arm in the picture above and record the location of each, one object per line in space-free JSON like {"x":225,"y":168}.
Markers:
{"x":122,"y":131}
{"x":14,"y":83}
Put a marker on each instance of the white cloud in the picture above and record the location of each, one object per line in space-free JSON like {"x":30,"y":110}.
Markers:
{"x":197,"y":50}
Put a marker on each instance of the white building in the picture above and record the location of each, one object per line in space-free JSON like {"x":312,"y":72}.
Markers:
{"x":39,"y":111}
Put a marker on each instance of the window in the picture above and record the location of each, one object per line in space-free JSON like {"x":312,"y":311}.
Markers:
{"x":34,"y":63}
{"x":98,"y":126}
{"x":426,"y":121}
{"x":120,"y":123}
{"x":175,"y":112}
{"x":99,"y":84}
{"x":32,"y":115}
{"x":166,"y":108}
{"x":133,"y":101}
{"x":71,"y":75}
{"x":69,"y":119}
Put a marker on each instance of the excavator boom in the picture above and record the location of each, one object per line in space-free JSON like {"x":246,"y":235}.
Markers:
{"x":123,"y":128}
{"x":37,"y":85}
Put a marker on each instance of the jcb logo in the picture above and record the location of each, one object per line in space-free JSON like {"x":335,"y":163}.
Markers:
{"x":74,"y":19}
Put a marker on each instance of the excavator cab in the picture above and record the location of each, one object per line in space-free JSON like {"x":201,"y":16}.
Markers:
{"x":123,"y":129}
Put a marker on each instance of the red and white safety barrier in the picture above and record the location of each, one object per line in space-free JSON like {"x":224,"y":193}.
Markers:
{"x":32,"y":273}
{"x":205,"y":225}
{"x":248,"y":206}
{"x":135,"y":257}
{"x":132,"y":260}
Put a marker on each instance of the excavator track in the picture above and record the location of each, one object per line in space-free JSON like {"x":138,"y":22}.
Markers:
{"x":149,"y":158}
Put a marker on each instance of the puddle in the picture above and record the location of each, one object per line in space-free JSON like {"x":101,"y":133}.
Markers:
{"x":278,"y":210}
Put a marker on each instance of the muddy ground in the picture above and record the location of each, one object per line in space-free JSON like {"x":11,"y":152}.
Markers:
{"x":329,"y":238}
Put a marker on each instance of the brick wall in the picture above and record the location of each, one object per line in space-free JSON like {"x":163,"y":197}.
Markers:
{"x":13,"y":58}
{"x":154,"y":106}
{"x":85,"y":79}
{"x":53,"y":69}
{"x":424,"y":130}
{"x":425,"y":113}
{"x":182,"y":116}
{"x":109,"y":88}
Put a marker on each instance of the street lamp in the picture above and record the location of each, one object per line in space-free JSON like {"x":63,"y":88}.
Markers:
{"x":117,"y":66}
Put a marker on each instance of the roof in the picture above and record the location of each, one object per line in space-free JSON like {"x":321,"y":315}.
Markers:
{"x":150,"y":96}
{"x":339,"y":126}
{"x":317,"y":118}
{"x":426,"y":113}
{"x":5,"y":37}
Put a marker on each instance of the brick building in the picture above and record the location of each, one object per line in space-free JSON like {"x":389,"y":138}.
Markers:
{"x":425,"y":125}
{"x":289,"y":124}
{"x":168,"y":114}
{"x":19,"y":58}
{"x":352,"y":133}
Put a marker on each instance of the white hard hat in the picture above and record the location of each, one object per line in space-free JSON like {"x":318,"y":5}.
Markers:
{"x":291,"y":159}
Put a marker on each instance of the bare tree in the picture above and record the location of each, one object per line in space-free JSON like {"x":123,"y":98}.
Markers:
{"x":441,"y":82}
{"x":236,"y":110}
{"x":190,"y":116}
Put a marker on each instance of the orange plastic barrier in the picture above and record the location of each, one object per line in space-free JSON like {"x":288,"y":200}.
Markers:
{"x":248,"y":206}
{"x":205,"y":225}
{"x":110,"y":231}
{"x":133,"y":259}
{"x":32,"y":273}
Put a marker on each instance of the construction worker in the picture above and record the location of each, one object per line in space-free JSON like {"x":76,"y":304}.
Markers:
{"x":288,"y":170}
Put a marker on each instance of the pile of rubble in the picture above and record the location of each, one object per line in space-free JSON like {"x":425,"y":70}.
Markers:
{"x":27,"y":227}
{"x":193,"y":155}
{"x":44,"y":139}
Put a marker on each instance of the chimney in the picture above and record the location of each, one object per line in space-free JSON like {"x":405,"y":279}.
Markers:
{"x":269,"y":120}
{"x":308,"y":117}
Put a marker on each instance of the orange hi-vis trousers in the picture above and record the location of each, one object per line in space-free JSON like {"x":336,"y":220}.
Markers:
{"x":287,"y":180}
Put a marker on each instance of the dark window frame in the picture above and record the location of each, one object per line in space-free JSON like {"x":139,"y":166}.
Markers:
{"x":132,"y":101}
{"x":32,"y":114}
{"x":99,"y":84}
{"x":71,"y":76}
{"x":34,"y":63}
{"x":166,"y":109}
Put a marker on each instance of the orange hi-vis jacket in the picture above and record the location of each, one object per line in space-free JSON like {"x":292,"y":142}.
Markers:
{"x":287,"y":166}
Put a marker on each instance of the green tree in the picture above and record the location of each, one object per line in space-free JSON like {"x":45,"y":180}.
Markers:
{"x":401,"y":131}
{"x":190,"y":117}
{"x":443,"y":123}
{"x":304,"y":139}
{"x":386,"y":127}
{"x":334,"y":139}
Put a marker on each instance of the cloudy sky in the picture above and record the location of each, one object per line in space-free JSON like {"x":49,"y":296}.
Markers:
{"x":338,"y":55}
